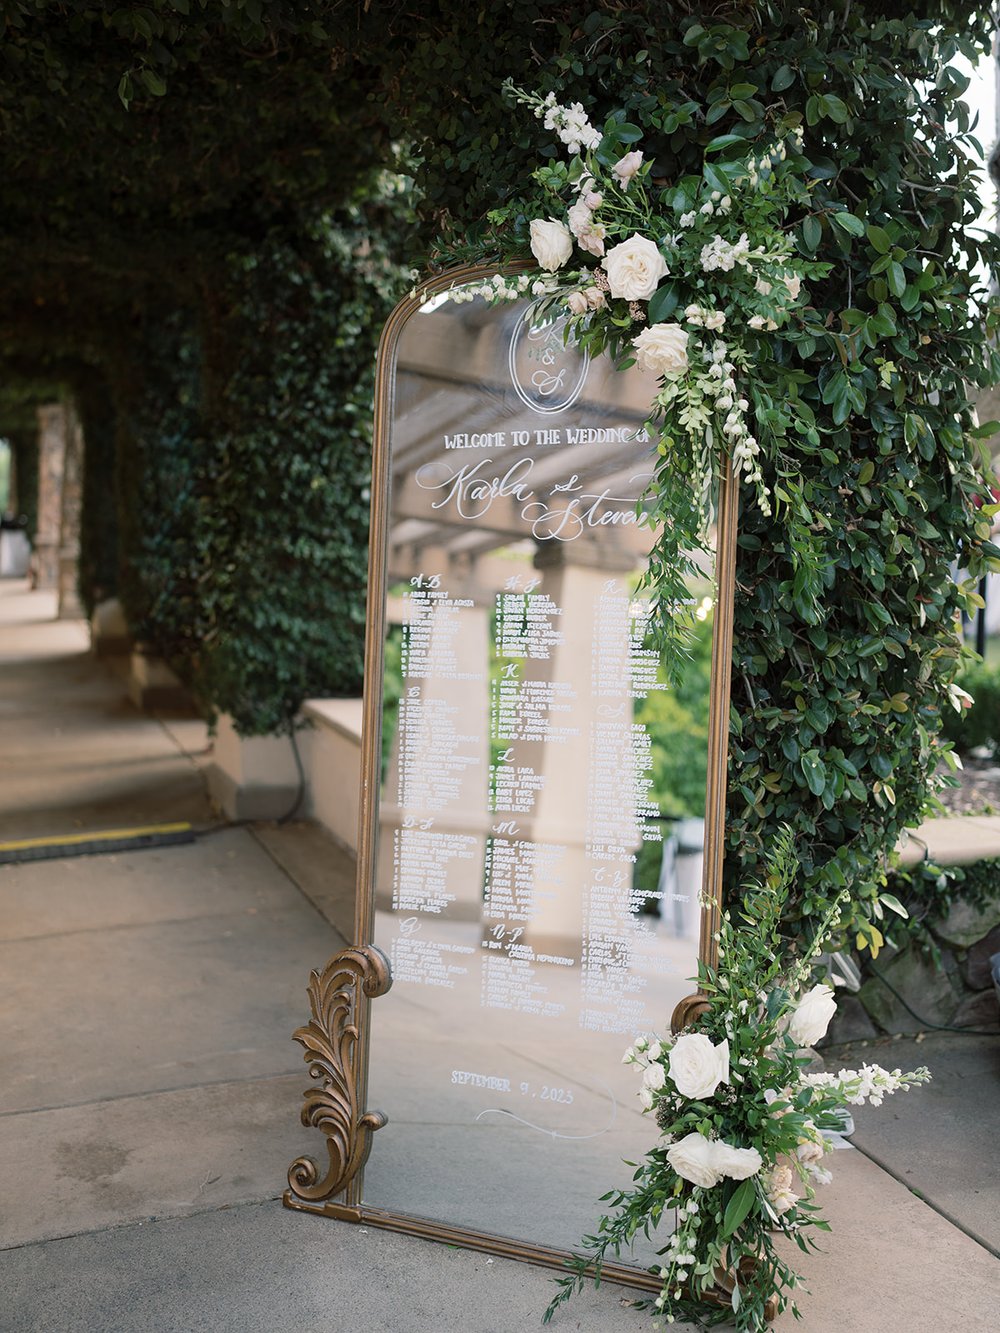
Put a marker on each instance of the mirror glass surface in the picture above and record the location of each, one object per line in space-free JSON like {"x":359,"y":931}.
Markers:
{"x":540,"y":824}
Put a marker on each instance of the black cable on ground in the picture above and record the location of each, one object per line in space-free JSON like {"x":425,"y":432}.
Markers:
{"x":925,"y":1022}
{"x":290,"y":814}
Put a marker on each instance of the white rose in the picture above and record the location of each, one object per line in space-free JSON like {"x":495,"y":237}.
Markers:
{"x":579,"y":218}
{"x":655,"y":1051}
{"x":714,"y":320}
{"x":662,"y":348}
{"x":696,"y":1066}
{"x":626,"y":167}
{"x":654,"y":1077}
{"x":646,"y":1097}
{"x":634,"y":268}
{"x":551,"y":243}
{"x":812,"y":1016}
{"x":693,"y":1158}
{"x":595,"y":298}
{"x":737,"y":1163}
{"x":577,"y":303}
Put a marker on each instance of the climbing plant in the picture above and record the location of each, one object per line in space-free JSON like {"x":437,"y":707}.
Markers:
{"x":845,"y":645}
{"x":184,"y":156}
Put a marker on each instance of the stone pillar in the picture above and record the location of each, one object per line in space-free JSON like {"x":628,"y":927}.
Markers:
{"x":12,"y":497}
{"x":69,"y":524}
{"x":51,"y":463}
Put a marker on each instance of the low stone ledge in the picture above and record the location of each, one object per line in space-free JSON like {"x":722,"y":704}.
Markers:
{"x":334,"y":766}
{"x":153,"y":686}
{"x":253,"y":777}
{"x":109,"y":632}
{"x":954,"y":840}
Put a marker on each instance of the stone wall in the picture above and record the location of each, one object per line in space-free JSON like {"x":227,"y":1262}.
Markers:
{"x":959,"y":992}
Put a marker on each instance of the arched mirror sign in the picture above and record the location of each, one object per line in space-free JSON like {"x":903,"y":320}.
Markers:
{"x":541,"y":824}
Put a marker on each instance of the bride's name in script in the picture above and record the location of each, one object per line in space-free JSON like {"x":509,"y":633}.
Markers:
{"x":563,"y":515}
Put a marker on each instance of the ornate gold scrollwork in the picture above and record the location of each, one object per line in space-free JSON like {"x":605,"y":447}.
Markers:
{"x":330,"y":1041}
{"x":687,"y":1010}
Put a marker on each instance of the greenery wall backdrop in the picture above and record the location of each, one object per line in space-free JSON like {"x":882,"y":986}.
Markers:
{"x":213,"y":200}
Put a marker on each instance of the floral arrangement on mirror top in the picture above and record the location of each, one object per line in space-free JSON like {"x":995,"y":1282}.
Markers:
{"x":692,"y":281}
{"x":745,"y":1130}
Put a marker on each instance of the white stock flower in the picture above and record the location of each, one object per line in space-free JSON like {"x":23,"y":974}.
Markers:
{"x":714,"y":320}
{"x":692,"y":1157}
{"x":662,"y":348}
{"x":762,"y":286}
{"x":551,"y":243}
{"x":697,"y":1067}
{"x":688,"y":219}
{"x":634,"y":268}
{"x":794,"y":284}
{"x":720,"y":254}
{"x":626,"y":167}
{"x":812,"y":1016}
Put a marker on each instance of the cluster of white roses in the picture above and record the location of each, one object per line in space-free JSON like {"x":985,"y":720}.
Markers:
{"x":696,"y":1068}
{"x":610,"y":202}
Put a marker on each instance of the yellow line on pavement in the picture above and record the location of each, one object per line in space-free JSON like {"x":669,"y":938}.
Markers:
{"x":105,"y":835}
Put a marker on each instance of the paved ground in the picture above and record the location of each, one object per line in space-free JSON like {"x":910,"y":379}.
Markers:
{"x":149,"y":1089}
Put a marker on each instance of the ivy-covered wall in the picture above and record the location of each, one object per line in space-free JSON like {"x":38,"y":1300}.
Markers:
{"x":845,"y":642}
{"x":222,"y":250}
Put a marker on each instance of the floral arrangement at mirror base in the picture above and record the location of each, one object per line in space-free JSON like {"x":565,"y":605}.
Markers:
{"x":744,"y":1128}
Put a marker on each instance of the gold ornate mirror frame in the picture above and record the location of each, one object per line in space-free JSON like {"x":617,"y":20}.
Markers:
{"x":335,"y":1040}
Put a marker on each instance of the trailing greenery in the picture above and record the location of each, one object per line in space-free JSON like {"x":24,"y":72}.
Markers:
{"x":744,"y":1129}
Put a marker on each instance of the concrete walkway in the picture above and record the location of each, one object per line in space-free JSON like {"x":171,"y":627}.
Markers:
{"x":150,"y":1090}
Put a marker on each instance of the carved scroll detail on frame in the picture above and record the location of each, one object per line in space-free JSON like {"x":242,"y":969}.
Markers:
{"x":686,"y":1011}
{"x":330,"y":1043}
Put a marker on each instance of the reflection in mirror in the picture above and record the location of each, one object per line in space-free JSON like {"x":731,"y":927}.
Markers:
{"x":541,"y":821}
